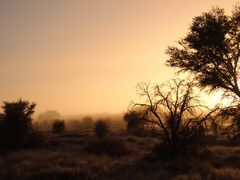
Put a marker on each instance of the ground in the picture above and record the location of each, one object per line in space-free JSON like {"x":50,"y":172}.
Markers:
{"x":71,"y":155}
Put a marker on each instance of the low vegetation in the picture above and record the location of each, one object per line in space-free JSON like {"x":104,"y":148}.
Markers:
{"x":114,"y":147}
{"x":58,"y":126}
{"x":73,"y":155}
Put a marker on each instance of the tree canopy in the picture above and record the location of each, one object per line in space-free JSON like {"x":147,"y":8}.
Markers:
{"x":211,"y":51}
{"x":16,"y":123}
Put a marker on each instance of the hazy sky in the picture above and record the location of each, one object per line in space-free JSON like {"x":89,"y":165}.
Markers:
{"x":87,"y":56}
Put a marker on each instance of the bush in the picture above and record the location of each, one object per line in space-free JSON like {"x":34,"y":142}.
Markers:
{"x":16,"y":123}
{"x":135,"y":124}
{"x":58,"y":126}
{"x":101,"y":128}
{"x":186,"y":144}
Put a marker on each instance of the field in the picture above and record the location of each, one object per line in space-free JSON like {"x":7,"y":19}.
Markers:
{"x":74,"y":155}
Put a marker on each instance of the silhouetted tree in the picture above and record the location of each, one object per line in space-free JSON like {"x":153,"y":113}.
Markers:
{"x":101,"y":128}
{"x":16,"y":125}
{"x":177,"y":114}
{"x":58,"y":126}
{"x":135,"y":123}
{"x":211,"y":50}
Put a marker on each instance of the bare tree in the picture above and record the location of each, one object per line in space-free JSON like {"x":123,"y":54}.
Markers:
{"x":177,"y":113}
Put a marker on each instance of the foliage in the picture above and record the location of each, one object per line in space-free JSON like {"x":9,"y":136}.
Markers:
{"x":58,"y":126}
{"x":211,"y":51}
{"x":135,"y":123}
{"x":101,"y":128}
{"x":16,"y":125}
{"x":177,"y":113}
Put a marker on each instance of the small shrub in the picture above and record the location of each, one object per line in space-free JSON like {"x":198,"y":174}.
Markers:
{"x":101,"y":128}
{"x":110,"y":147}
{"x":58,"y":126}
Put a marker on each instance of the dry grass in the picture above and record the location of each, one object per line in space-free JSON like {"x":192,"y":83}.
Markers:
{"x":65,"y":157}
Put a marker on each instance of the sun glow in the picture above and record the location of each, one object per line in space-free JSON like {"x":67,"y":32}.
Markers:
{"x":216,"y":98}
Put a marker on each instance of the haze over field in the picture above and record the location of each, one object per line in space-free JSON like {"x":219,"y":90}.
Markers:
{"x":87,"y":56}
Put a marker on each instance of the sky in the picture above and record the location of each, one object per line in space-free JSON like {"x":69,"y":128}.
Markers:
{"x":81,"y":57}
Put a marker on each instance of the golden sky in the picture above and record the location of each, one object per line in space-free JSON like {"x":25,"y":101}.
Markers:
{"x":87,"y":56}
